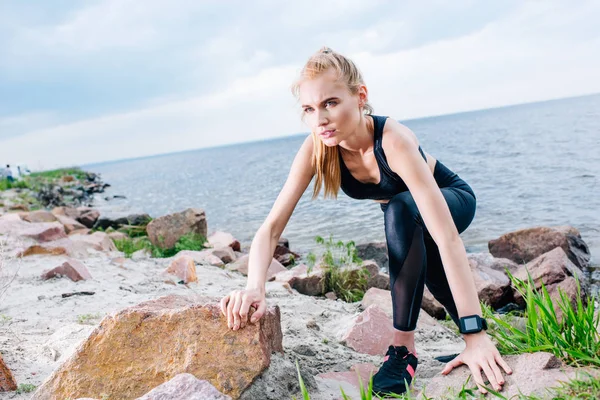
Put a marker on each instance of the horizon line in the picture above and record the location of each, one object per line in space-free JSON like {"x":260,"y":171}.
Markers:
{"x":302,"y":133}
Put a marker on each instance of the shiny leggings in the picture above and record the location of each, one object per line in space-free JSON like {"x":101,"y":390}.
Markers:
{"x":414,"y":258}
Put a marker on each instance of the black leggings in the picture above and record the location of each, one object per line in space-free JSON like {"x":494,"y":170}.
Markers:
{"x":414,"y":256}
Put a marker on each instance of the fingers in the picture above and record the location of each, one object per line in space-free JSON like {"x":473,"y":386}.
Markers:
{"x":236,"y":312}
{"x":489,"y":373}
{"x":245,"y":306}
{"x":452,"y":364}
{"x":230,"y":310}
{"x":224,"y":301}
{"x":476,"y":372}
{"x":260,"y":311}
{"x":502,"y":363}
{"x":497,"y":373}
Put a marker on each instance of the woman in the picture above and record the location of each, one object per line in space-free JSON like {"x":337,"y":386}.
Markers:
{"x":425,"y":207}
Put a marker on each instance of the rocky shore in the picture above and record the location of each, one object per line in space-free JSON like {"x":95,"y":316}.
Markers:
{"x":81,"y":319}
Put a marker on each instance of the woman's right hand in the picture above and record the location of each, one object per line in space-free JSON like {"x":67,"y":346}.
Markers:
{"x":236,"y":305}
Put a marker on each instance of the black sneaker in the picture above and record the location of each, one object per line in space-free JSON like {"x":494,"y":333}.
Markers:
{"x":399,"y":365}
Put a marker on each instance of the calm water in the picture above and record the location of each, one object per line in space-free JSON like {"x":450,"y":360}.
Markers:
{"x":529,"y":165}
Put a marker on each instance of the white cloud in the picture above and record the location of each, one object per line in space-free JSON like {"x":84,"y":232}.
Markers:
{"x":538,"y":51}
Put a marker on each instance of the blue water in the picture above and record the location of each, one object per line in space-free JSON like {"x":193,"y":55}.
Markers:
{"x":529,"y":165}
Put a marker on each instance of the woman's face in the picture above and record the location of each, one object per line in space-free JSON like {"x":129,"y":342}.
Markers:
{"x":329,"y":109}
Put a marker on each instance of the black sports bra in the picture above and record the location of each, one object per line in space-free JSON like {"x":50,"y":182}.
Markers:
{"x":390,"y":184}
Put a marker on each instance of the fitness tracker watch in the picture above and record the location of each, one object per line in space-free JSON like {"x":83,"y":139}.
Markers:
{"x":472,"y":324}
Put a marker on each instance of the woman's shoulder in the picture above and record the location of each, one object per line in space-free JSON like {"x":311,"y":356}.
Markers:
{"x":397,"y":135}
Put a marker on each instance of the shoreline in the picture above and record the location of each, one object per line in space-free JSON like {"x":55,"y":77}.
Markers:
{"x":40,"y":329}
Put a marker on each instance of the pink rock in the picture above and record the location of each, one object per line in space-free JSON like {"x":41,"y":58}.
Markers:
{"x":348,"y":381}
{"x":45,"y":231}
{"x":89,"y":218}
{"x":492,"y":286}
{"x":289,"y":274}
{"x":524,"y":245}
{"x":67,"y":212}
{"x":204,"y":257}
{"x":226,"y":254}
{"x":370,"y":333}
{"x":498,"y":264}
{"x":241,"y":266}
{"x":97,"y":240}
{"x":431,"y":306}
{"x":533,"y":374}
{"x":185,"y":387}
{"x":549,"y":268}
{"x":85,"y":231}
{"x":69,"y":223}
{"x":38,"y":216}
{"x":223,"y":239}
{"x":72,"y":269}
{"x":184,"y":268}
{"x":165,"y":231}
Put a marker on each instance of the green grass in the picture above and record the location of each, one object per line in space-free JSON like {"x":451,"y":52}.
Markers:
{"x":20,"y":184}
{"x":342,"y":273}
{"x":574,"y":339}
{"x":190,"y":241}
{"x":76,"y":172}
{"x":25,"y":388}
{"x":85,"y":319}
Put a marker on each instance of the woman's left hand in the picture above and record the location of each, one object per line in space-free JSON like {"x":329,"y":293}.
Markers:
{"x":481,"y":354}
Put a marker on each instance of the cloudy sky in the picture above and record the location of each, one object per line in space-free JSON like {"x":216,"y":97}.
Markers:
{"x":98,"y":80}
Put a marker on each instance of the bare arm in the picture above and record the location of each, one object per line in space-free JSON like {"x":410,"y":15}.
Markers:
{"x":407,"y":162}
{"x":266,"y":238}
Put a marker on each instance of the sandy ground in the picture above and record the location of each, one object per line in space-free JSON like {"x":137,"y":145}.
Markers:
{"x":39,"y":329}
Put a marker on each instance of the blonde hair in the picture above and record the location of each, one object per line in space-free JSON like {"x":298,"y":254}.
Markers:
{"x":325,"y":160}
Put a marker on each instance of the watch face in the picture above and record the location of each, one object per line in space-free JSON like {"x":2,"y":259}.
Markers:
{"x":471,"y":323}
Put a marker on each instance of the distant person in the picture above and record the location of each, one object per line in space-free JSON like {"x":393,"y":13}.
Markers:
{"x":425,"y":206}
{"x":8,"y":173}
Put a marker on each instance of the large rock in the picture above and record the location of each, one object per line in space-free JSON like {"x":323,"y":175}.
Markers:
{"x":497,"y":264}
{"x":67,"y":212}
{"x":184,"y":268}
{"x":38,"y":216}
{"x":223,"y":239}
{"x":89,"y":218}
{"x":493,"y":286}
{"x":70,"y":224}
{"x":549,"y":268}
{"x":72,"y":269}
{"x":185,"y":387}
{"x":569,"y":287}
{"x":348,"y":381}
{"x":203,"y":257}
{"x":533,"y":374}
{"x":432,"y":306}
{"x":45,"y":231}
{"x":376,"y":279}
{"x":159,"y":339}
{"x":7,"y":381}
{"x":241,"y":266}
{"x":524,"y":245}
{"x":165,"y":231}
{"x":97,"y":240}
{"x":371,"y":332}
{"x":374,"y":251}
{"x":284,"y":255}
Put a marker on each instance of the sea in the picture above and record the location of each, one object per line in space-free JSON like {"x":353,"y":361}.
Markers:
{"x":535,"y":164}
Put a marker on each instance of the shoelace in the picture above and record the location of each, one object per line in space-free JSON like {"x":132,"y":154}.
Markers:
{"x":396,"y":365}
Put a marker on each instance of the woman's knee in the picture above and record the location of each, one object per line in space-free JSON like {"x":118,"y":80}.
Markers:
{"x":403,"y":207}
